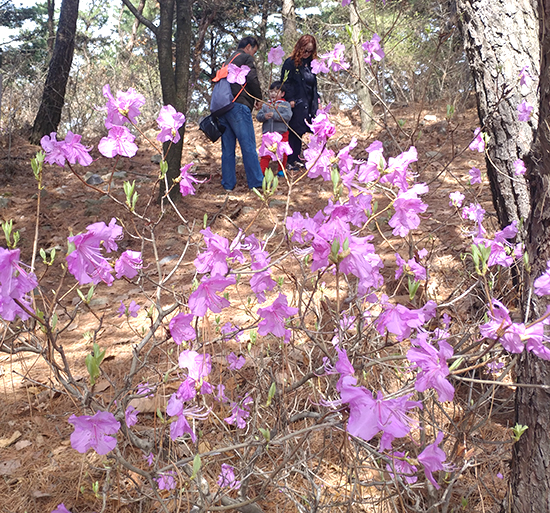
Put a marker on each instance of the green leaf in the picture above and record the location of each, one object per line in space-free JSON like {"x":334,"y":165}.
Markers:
{"x":271,"y":394}
{"x":197,"y":463}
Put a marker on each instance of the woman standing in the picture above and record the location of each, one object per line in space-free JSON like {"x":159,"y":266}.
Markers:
{"x":301,"y":92}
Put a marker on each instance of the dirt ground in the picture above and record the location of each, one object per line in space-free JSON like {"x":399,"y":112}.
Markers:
{"x":35,"y":452}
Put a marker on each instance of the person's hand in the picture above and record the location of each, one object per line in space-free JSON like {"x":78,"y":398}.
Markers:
{"x":292,"y":103}
{"x":269,"y":115}
{"x":258,"y":105}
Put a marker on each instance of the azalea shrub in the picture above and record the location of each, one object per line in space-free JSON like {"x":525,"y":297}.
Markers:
{"x":293,"y":372}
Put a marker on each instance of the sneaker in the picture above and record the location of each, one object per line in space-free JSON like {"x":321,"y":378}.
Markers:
{"x":280,"y":173}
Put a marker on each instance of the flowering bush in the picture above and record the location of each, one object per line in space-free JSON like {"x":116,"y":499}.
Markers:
{"x":387,"y":366}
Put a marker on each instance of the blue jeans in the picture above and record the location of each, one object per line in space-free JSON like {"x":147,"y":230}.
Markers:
{"x":238,"y":126}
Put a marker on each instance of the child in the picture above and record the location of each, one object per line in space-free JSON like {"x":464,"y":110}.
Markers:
{"x":275,"y":116}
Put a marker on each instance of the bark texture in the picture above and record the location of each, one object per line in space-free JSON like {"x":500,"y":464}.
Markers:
{"x":530,"y":479}
{"x":53,"y":96}
{"x":500,"y":38}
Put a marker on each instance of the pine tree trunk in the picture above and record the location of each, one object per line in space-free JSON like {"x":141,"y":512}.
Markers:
{"x":53,"y":96}
{"x":500,"y":38}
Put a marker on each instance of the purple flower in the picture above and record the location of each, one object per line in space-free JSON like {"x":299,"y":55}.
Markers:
{"x":166,"y":481}
{"x":235,"y":363}
{"x":92,"y":432}
{"x":478,"y":144}
{"x":149,"y":458}
{"x":125,"y":108}
{"x":85,"y":262}
{"x":412,"y":267}
{"x":336,"y":59}
{"x":319,"y":66}
{"x":524,"y":77}
{"x":456,"y":199}
{"x":475,"y":175}
{"x":205,"y":296}
{"x":130,"y":415}
{"x":187,"y":180}
{"x":500,"y":476}
{"x":197,"y":365}
{"x":132,"y":310}
{"x":181,"y":329}
{"x":275,"y":56}
{"x":239,"y":414}
{"x":400,"y":321}
{"x":57,"y":152}
{"x":407,"y":206}
{"x":180,"y":425}
{"x":519,"y":167}
{"x":236,"y":74}
{"x":273,"y":146}
{"x":273,"y":318}
{"x":475,"y":213}
{"x":373,"y":49}
{"x":144,"y":389}
{"x":128,"y":264}
{"x":61,"y":509}
{"x":397,"y":169}
{"x":218,"y":250}
{"x":169,"y":121}
{"x":227,"y":478}
{"x":220,"y":394}
{"x":433,"y":365}
{"x":433,"y":458}
{"x":119,"y":141}
{"x":15,"y":284}
{"x":401,"y":467}
{"x":542,"y":283}
{"x":524,"y":111}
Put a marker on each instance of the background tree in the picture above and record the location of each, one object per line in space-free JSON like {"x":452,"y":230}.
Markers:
{"x":53,"y":96}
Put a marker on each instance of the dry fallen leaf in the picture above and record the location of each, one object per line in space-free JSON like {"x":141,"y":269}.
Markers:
{"x":9,"y":466}
{"x":6,"y":442}
{"x":22,"y":444}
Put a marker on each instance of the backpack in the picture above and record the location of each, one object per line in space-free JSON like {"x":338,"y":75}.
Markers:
{"x":222,"y":99}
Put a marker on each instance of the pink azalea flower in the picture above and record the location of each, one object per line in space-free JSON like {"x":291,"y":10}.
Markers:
{"x":319,"y":66}
{"x":456,"y":199}
{"x":123,"y":109}
{"x":235,"y":363}
{"x":519,"y":167}
{"x":130,"y":416}
{"x":336,"y":59}
{"x":433,"y":458}
{"x":85,"y":262}
{"x":396,"y":173}
{"x":400,"y":320}
{"x":144,"y":389}
{"x":181,"y":329}
{"x":433,"y":365}
{"x":166,"y":481}
{"x":132,"y":310}
{"x":478,"y":144}
{"x":412,"y":267}
{"x":149,"y":458}
{"x":524,"y":77}
{"x":407,"y":206}
{"x":475,"y":212}
{"x":170,"y":121}
{"x":120,"y":141}
{"x":475,"y":175}
{"x":91,"y":432}
{"x":239,"y":413}
{"x":373,"y":49}
{"x":236,"y":74}
{"x":273,"y":146}
{"x":180,"y":425}
{"x":220,"y":394}
{"x":187,"y":180}
{"x":205,"y":296}
{"x":227,"y":478}
{"x":198,"y":366}
{"x":524,"y":111}
{"x":218,"y":251}
{"x":71,"y":150}
{"x":15,"y":284}
{"x":275,"y":56}
{"x":128,"y":264}
{"x":401,"y":467}
{"x":542,"y":283}
{"x":274,"y":316}
{"x":61,"y":509}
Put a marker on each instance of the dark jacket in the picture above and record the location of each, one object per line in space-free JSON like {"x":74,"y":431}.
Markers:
{"x":252,"y":90}
{"x":301,"y":88}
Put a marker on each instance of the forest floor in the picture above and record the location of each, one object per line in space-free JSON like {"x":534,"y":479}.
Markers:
{"x":38,"y":467}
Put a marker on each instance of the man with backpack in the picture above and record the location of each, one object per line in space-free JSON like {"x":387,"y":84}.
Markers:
{"x":238,"y":122}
